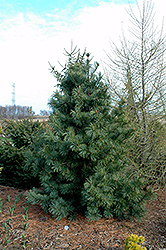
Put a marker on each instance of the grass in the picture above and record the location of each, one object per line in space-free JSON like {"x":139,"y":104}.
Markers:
{"x":7,"y":225}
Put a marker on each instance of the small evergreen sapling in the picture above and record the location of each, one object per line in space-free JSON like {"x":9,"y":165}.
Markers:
{"x":85,"y":169}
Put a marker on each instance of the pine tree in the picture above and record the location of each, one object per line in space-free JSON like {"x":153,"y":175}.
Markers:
{"x":85,"y":169}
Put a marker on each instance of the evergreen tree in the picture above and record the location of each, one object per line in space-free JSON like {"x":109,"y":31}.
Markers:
{"x":84,"y":168}
{"x":15,"y":138}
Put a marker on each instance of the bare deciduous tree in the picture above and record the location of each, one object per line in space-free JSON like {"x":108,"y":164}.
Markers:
{"x":139,"y":77}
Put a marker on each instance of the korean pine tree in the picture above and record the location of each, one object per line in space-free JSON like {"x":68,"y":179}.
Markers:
{"x":85,"y":169}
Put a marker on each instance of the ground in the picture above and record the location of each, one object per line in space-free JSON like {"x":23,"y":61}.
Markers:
{"x":44,"y":232}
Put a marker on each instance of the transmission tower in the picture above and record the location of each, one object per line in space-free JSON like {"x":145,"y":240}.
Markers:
{"x":13,"y":95}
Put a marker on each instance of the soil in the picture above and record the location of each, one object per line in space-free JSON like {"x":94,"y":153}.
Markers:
{"x":44,"y":232}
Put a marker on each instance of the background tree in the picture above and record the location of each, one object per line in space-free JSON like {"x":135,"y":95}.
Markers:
{"x":85,"y":169}
{"x":45,"y":112}
{"x":139,"y":79}
{"x":15,"y":112}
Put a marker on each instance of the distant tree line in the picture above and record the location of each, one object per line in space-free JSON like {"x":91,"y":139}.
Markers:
{"x":45,"y":112}
{"x":15,"y":111}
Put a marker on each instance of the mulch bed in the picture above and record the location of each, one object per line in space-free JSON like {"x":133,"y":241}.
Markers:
{"x":44,"y":232}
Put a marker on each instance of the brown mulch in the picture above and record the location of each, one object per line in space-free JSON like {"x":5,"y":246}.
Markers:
{"x":44,"y":232}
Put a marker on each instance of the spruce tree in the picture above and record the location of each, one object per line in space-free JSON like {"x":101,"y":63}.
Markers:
{"x":85,"y":169}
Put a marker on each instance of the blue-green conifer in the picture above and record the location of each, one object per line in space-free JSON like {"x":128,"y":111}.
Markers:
{"x":85,"y":169}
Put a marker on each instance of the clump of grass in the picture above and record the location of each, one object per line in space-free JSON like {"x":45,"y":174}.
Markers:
{"x":16,"y":200}
{"x":6,"y":240}
{"x":6,"y":228}
{"x":23,"y":237}
{"x":11,"y":210}
{"x":20,"y":195}
{"x":25,"y":224}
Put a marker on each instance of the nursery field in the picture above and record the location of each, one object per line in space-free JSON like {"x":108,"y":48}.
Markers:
{"x":100,"y":155}
{"x":28,"y":227}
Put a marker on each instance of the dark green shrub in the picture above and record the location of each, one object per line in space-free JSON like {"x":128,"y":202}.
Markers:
{"x":16,"y":139}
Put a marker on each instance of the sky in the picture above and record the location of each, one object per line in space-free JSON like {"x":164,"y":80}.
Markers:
{"x":33,"y":32}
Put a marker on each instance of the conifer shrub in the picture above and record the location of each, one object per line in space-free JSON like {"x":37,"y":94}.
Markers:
{"x":16,"y":138}
{"x":83,"y":152}
{"x":134,"y":242}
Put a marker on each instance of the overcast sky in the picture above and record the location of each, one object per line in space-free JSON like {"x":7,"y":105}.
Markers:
{"x":33,"y":32}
